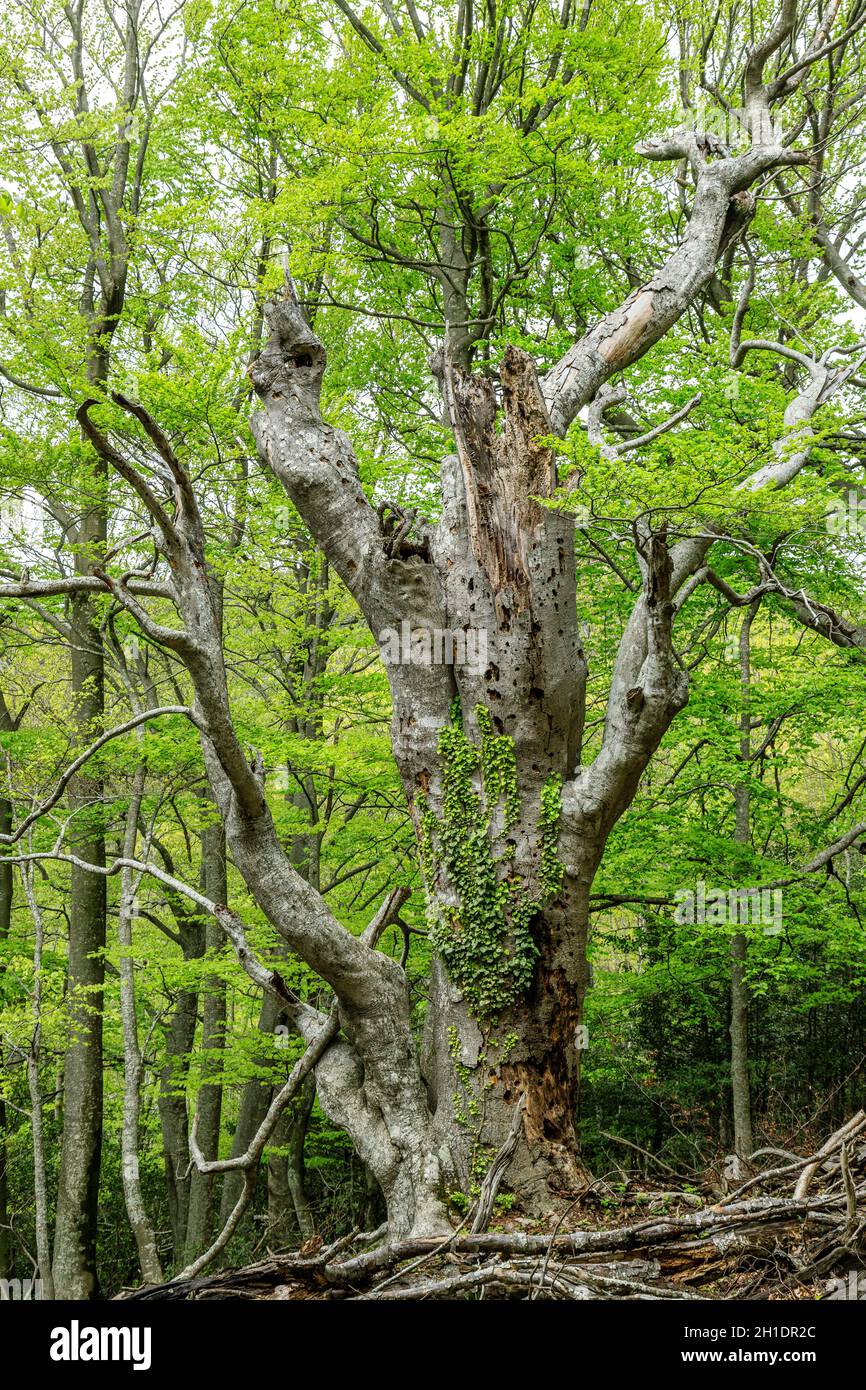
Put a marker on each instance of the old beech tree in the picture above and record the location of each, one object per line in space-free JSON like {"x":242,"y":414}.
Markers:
{"x":511,"y":819}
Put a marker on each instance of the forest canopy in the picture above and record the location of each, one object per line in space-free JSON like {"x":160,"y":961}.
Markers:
{"x":432,"y":624}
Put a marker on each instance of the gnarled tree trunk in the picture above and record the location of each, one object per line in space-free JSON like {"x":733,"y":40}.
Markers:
{"x":487,"y":739}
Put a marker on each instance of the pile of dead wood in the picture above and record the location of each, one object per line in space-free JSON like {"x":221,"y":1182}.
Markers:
{"x":786,"y":1232}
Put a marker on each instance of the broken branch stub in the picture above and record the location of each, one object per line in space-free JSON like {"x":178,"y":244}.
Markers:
{"x":293,"y":362}
{"x":505,"y":470}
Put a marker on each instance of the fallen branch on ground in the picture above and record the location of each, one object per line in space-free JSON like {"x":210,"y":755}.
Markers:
{"x":755,"y":1247}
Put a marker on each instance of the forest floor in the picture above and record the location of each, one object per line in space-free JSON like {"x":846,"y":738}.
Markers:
{"x":793,"y":1230}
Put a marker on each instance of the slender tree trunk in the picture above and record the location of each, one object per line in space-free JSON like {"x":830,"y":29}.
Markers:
{"x":288,"y":1204}
{"x":178,"y":1045}
{"x":740,"y":1086}
{"x":461,"y":333}
{"x":6,"y":891}
{"x":255,"y":1099}
{"x":5,"y":1231}
{"x":174,"y":1119}
{"x":75,"y":1273}
{"x":209,"y":1109}
{"x":142,"y":1227}
{"x":739,"y":1030}
{"x":40,"y":1178}
{"x":103,"y":218}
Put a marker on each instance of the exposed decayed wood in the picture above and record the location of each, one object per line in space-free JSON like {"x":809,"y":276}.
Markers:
{"x":497,"y":1170}
{"x":504,"y":471}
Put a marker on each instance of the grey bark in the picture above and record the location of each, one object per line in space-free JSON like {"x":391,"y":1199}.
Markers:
{"x":321,"y":1038}
{"x":202,"y":1210}
{"x":174,"y":1120}
{"x":497,"y":561}
{"x":75,"y":1273}
{"x":133,"y":1069}
{"x":40,"y":1172}
{"x":100,"y":206}
{"x":6,"y":896}
{"x":739,"y":1028}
